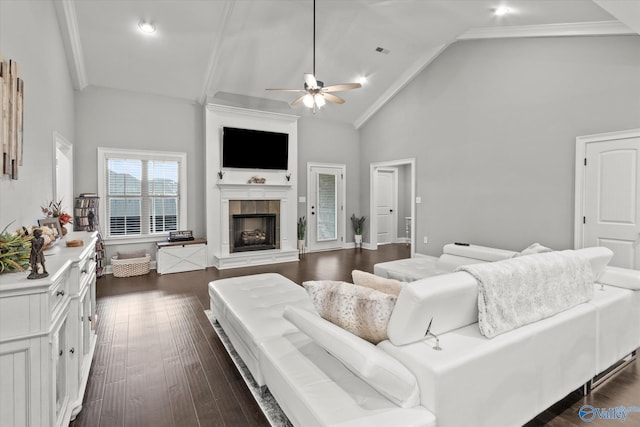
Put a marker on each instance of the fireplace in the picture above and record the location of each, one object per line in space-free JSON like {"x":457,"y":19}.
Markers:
{"x":254,"y":225}
{"x":253,"y":232}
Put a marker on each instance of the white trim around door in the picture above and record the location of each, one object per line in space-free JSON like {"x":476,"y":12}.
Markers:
{"x":373,"y":223}
{"x":586,"y":201}
{"x":340,"y":171}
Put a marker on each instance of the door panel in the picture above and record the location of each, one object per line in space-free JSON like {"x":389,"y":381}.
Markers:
{"x":612,"y":205}
{"x":325,"y":216}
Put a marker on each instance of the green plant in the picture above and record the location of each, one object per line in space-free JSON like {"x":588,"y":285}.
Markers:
{"x":15,"y":250}
{"x":357,"y":223}
{"x":302,"y":227}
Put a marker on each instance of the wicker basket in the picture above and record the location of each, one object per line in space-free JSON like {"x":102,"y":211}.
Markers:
{"x":131,"y":266}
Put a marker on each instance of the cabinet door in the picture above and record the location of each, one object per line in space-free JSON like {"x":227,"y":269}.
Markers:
{"x":59,"y":354}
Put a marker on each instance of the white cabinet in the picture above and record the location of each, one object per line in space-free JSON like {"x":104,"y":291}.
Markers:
{"x":177,"y":257}
{"x":47,"y":337}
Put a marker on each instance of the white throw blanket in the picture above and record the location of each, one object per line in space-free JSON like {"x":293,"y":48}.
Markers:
{"x":522,"y":290}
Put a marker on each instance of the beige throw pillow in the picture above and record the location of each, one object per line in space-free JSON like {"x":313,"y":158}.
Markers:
{"x":362,"y":311}
{"x":382,"y":284}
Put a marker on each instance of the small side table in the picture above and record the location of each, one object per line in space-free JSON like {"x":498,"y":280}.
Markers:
{"x":178,"y":257}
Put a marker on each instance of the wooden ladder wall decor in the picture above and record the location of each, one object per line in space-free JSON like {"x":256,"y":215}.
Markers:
{"x":12,"y":97}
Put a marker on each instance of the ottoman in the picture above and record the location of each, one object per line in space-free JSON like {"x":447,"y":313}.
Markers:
{"x":249,"y":309}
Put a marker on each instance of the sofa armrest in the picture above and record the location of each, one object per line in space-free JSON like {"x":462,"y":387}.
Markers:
{"x":621,"y":278}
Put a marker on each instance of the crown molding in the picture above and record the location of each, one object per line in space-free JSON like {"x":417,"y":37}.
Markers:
{"x":251,"y":113}
{"x":215,"y":52}
{"x":68,"y":22}
{"x":411,"y":72}
{"x":601,"y":28}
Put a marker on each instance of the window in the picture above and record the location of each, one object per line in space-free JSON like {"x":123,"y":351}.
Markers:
{"x":143,"y":192}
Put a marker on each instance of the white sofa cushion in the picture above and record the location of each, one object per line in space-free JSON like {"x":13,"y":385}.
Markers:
{"x":382,"y":284}
{"x":598,"y":256}
{"x":362,"y":311}
{"x":450,"y":299}
{"x":378,"y":369}
{"x":314,"y":389}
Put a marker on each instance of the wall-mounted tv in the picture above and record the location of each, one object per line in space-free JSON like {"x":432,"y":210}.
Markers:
{"x":254,"y":149}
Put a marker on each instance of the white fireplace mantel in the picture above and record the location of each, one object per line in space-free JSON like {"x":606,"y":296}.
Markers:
{"x":234,"y":186}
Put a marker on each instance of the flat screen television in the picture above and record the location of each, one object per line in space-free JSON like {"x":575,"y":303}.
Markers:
{"x":254,"y":149}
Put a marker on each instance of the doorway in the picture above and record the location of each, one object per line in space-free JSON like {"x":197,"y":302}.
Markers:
{"x":63,"y":171}
{"x":608,"y":195}
{"x":393,"y":190}
{"x":326,"y":190}
{"x":386,"y":204}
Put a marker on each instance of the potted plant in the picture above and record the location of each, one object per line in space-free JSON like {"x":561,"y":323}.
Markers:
{"x":302,"y":230}
{"x":15,"y":250}
{"x":357,"y":223}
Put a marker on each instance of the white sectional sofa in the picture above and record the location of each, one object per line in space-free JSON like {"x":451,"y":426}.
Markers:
{"x":453,"y":256}
{"x":322,"y":375}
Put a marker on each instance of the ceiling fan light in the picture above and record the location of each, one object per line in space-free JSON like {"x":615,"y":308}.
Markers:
{"x":320,"y":101}
{"x":147,"y":27}
{"x":308,"y":100}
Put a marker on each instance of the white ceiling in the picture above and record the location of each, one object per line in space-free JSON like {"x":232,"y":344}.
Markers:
{"x":233,"y":50}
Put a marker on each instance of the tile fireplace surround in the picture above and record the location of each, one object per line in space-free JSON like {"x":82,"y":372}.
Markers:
{"x":223,"y":195}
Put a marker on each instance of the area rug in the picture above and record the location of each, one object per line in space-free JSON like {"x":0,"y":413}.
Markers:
{"x":266,"y":401}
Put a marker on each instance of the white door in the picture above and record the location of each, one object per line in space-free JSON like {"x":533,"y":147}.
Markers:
{"x":612,"y":199}
{"x":386,"y":188}
{"x":325,"y":207}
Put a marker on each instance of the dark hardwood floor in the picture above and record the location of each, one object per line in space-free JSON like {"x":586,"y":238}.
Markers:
{"x":158,"y":361}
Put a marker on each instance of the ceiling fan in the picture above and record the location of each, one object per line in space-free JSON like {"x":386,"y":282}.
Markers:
{"x":316,"y":94}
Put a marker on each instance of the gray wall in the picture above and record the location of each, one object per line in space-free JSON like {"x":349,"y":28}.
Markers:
{"x":492,"y":125}
{"x":29,"y":34}
{"x":121,"y":119}
{"x":324,"y":141}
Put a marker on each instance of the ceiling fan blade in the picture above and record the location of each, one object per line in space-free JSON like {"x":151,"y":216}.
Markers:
{"x":341,"y":87}
{"x":310,"y":80}
{"x":297,"y":100}
{"x":288,"y":90}
{"x":332,"y":98}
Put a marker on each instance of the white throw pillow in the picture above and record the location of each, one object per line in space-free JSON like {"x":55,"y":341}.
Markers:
{"x":371,"y":364}
{"x":362,"y":311}
{"x":382,"y":284}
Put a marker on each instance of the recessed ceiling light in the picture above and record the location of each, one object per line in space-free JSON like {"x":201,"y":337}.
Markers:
{"x":501,"y":11}
{"x":363,"y":80}
{"x":147,"y":27}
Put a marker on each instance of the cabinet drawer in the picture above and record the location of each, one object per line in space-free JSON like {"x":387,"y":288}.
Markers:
{"x":58,"y":292}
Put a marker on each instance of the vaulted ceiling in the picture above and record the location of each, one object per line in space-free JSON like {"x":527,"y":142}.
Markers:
{"x":232,"y":50}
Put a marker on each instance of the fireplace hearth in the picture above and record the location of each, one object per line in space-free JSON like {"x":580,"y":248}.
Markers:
{"x":253,"y":232}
